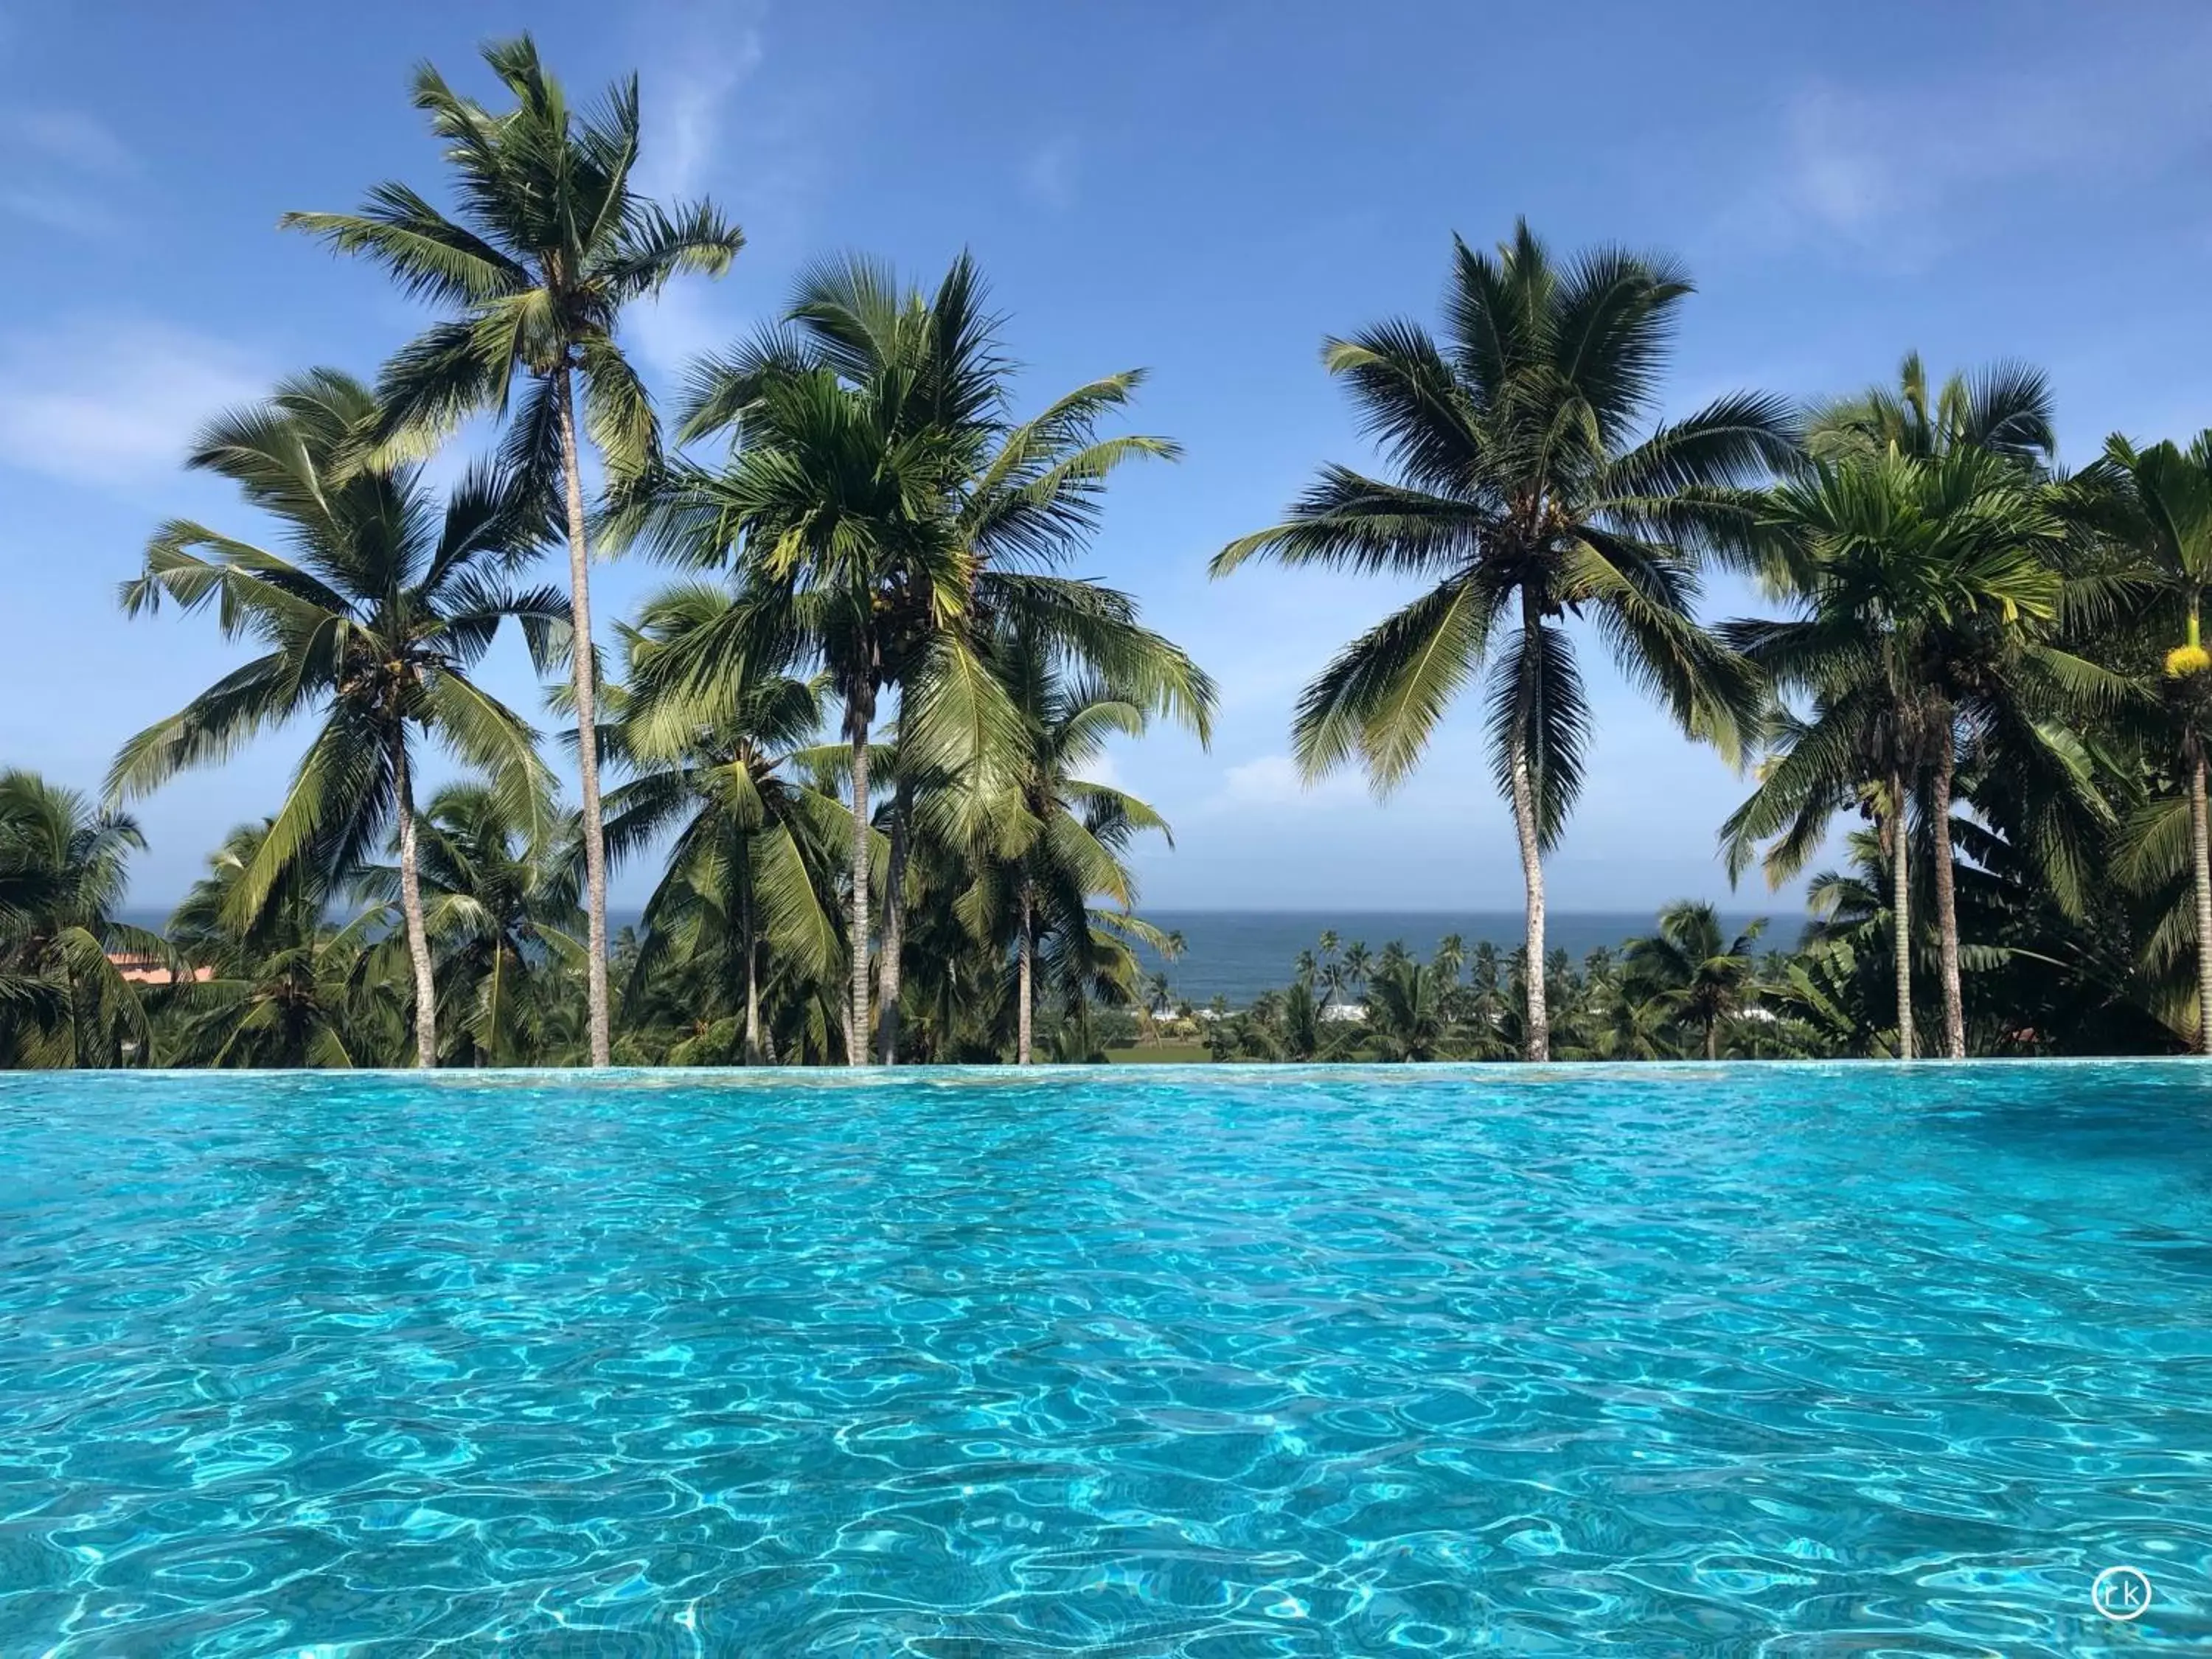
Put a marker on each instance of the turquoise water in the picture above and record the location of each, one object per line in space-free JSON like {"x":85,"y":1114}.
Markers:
{"x":1672,"y":1361}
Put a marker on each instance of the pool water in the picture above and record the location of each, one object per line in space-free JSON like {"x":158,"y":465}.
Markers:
{"x":1667,"y":1360}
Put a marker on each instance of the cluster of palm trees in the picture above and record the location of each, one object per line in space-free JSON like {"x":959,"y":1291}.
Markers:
{"x":866,"y":723}
{"x":1962,"y":626}
{"x":878,"y":547}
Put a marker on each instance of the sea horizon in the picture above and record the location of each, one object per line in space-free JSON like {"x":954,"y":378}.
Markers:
{"x":1237,"y":952}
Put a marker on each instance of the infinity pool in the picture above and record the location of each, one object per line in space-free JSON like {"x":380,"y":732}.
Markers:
{"x":1675,"y":1360}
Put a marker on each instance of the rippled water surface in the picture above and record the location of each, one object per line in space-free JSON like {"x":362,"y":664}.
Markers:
{"x":1677,"y":1360}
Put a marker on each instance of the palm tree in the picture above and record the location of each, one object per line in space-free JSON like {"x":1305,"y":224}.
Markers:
{"x":1915,"y":583}
{"x":373,"y":625}
{"x":1159,"y":997}
{"x":819,"y":508}
{"x":1011,"y":501}
{"x":501,"y":913}
{"x":287,"y":989}
{"x":1067,"y":835}
{"x":752,"y":872}
{"x":1523,"y":496}
{"x":550,"y":244}
{"x":2004,"y":408}
{"x":63,"y":869}
{"x":2155,"y":505}
{"x":1408,"y":1011}
{"x":1703,"y":977}
{"x":1359,"y":962}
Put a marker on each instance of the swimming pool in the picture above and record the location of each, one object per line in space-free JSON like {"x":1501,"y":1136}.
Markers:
{"x":1210,"y":1362}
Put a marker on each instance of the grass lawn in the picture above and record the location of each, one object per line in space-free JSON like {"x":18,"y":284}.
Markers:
{"x":1157,"y":1054}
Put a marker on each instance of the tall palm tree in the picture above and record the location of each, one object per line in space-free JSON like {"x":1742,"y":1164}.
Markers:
{"x":1703,"y":977}
{"x":1523,"y":495}
{"x":63,"y":870}
{"x":549,"y":245}
{"x":1014,"y":500}
{"x":753,"y":867}
{"x":1917,"y":585}
{"x":373,"y":627}
{"x":826,"y":510}
{"x":2155,"y":504}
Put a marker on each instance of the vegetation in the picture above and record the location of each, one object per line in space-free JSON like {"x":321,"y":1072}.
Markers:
{"x":856,"y":746}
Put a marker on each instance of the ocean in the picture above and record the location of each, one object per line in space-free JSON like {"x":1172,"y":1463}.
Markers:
{"x":1237,"y":954}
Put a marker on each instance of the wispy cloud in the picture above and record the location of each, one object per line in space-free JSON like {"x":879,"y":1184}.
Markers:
{"x":707,"y":50}
{"x":60,"y":164}
{"x":1048,"y":176}
{"x":114,"y":400}
{"x":1899,"y":169}
{"x":74,"y":139}
{"x":60,"y":209}
{"x":1273,"y":780}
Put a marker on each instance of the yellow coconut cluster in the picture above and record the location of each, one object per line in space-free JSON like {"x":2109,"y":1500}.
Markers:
{"x":2187,"y":659}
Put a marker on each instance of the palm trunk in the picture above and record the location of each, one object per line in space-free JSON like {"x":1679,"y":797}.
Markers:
{"x":894,"y":924}
{"x":1946,"y":906}
{"x":410,"y":905}
{"x":1712,"y":1039}
{"x":1025,"y":949}
{"x":856,"y":1036}
{"x":1536,"y":1039}
{"x":2200,"y":860}
{"x":752,"y":984}
{"x":1900,"y":914}
{"x":587,"y":735}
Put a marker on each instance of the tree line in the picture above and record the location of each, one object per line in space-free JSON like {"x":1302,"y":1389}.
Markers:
{"x":861,"y":721}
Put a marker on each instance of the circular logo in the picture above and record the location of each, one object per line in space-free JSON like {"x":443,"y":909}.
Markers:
{"x":2121,"y":1594}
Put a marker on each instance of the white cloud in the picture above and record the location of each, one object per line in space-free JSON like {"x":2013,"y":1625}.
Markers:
{"x":59,"y":210}
{"x":715,"y":47}
{"x":1896,"y":167}
{"x":1273,"y":780}
{"x":1103,"y":770}
{"x":1049,"y":175}
{"x":73,"y":138}
{"x":710,"y":49}
{"x":52,"y":156}
{"x":109,"y":400}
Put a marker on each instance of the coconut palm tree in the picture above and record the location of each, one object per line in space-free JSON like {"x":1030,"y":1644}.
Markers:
{"x":288,"y":989}
{"x":2005,"y":409}
{"x":752,"y":873}
{"x":1523,"y":496}
{"x":63,"y":868}
{"x":550,"y":245}
{"x":501,"y":915}
{"x":372,"y":627}
{"x":2155,"y":505}
{"x":820,"y":510}
{"x":1703,"y":977}
{"x":1013,"y":500}
{"x":1918,"y":587}
{"x":1359,"y":963}
{"x":1064,"y":846}
{"x":1408,"y":1011}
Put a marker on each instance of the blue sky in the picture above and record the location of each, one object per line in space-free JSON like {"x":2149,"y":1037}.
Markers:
{"x":1203,"y":189}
